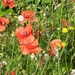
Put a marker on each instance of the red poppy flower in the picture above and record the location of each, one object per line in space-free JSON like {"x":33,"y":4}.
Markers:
{"x":52,"y":53}
{"x":3,"y":21}
{"x":56,"y":43}
{"x":27,"y":15}
{"x":26,"y":40}
{"x":13,"y":73}
{"x":26,"y":50}
{"x":64,"y":22}
{"x":10,"y":3}
{"x":25,"y":34}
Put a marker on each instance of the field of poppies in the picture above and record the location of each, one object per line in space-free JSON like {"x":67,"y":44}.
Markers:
{"x":37,"y":37}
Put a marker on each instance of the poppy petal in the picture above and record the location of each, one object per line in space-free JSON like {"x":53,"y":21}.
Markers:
{"x":2,"y":28}
{"x":54,"y":42}
{"x":11,"y":5}
{"x":24,"y":50}
{"x":36,"y":50}
{"x":26,"y":40}
{"x":4,"y":20}
{"x":32,"y":45}
{"x":28,"y":14}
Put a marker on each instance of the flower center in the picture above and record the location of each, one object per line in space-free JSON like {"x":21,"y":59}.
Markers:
{"x":24,"y":33}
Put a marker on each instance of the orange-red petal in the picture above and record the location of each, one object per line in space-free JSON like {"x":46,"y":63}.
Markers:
{"x":2,"y":28}
{"x":28,"y":14}
{"x":4,"y":20}
{"x":51,"y":53}
{"x":32,"y":45}
{"x":54,"y":42}
{"x":26,"y":40}
{"x":36,"y":50}
{"x":22,"y":32}
{"x":11,"y":5}
{"x":24,"y":50}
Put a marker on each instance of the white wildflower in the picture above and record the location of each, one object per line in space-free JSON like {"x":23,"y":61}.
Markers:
{"x":20,"y":18}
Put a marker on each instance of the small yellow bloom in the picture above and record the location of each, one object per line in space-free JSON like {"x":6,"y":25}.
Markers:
{"x":22,"y":3}
{"x":27,"y":7}
{"x":64,"y":30}
{"x":71,"y":27}
{"x":23,"y":71}
{"x":12,"y":34}
{"x":41,"y":11}
{"x":15,"y":17}
{"x":1,"y":54}
{"x":64,"y":44}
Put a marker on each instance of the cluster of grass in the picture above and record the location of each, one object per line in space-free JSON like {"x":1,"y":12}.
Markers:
{"x":49,"y":21}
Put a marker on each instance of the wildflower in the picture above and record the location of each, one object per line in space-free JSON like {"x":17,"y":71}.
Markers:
{"x":22,"y":3}
{"x":32,"y":56}
{"x":58,"y":28}
{"x":27,"y":7}
{"x":72,"y":72}
{"x":15,"y":17}
{"x":64,"y":30}
{"x":44,"y":14}
{"x":41,"y":11}
{"x":23,"y":32}
{"x":9,"y":3}
{"x":52,"y":52}
{"x":28,"y":15}
{"x":64,"y":44}
{"x":23,"y":71}
{"x":1,"y":54}
{"x":12,"y":34}
{"x":71,"y":27}
{"x":13,"y":73}
{"x":20,"y":18}
{"x":56,"y":44}
{"x":4,"y":62}
{"x":30,"y":48}
{"x":46,"y":56}
{"x":3,"y":22}
{"x":26,"y":38}
{"x":64,"y":22}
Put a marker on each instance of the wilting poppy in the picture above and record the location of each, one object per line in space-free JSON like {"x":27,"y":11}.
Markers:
{"x":13,"y":73}
{"x":52,"y":52}
{"x":56,"y":44}
{"x":27,"y":15}
{"x":3,"y":22}
{"x":10,"y":3}
{"x":64,"y":22}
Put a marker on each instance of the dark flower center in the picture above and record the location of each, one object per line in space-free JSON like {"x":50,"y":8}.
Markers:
{"x":24,"y":33}
{"x":2,"y":23}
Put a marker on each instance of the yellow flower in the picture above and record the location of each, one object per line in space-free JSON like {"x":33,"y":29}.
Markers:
{"x":27,"y":7}
{"x":64,"y":44}
{"x":1,"y":54}
{"x":15,"y":17}
{"x":71,"y":27}
{"x":64,"y":30}
{"x":23,"y":71}
{"x":12,"y":34}
{"x":41,"y":11}
{"x":22,"y":3}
